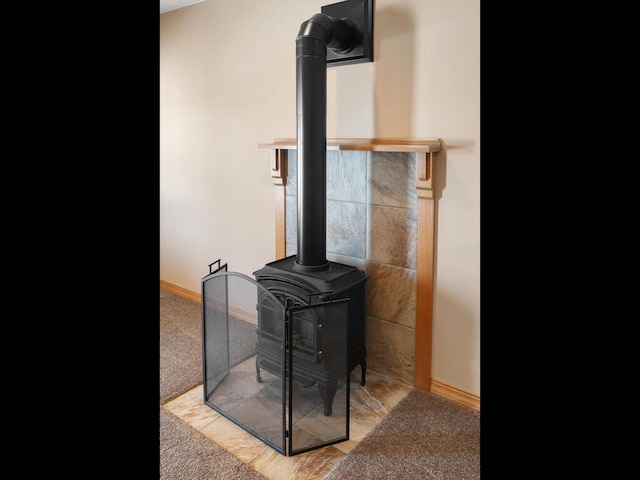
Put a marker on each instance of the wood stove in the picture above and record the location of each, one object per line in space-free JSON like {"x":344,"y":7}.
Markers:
{"x":314,"y":336}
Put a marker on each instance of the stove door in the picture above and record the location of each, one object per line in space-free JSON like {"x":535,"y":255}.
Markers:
{"x":318,"y":396}
{"x":238,"y":384}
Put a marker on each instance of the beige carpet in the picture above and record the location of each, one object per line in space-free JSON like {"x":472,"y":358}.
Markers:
{"x":181,"y":344}
{"x":186,"y":454}
{"x":425,"y":436}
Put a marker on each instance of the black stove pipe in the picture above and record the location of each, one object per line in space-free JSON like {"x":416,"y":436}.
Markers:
{"x":316,"y":35}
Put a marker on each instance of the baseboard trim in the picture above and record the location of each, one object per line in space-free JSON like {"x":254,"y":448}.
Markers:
{"x":455,"y":394}
{"x":452,"y":393}
{"x":183,"y":292}
{"x":196,"y":297}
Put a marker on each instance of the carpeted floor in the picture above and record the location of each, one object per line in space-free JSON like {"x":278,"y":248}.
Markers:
{"x":425,"y":436}
{"x":187,"y":454}
{"x":181,"y":344}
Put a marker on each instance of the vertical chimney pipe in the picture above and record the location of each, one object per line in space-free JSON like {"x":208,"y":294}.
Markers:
{"x":315,"y":35}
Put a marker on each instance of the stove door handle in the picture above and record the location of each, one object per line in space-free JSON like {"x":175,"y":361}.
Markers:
{"x":322,"y":296}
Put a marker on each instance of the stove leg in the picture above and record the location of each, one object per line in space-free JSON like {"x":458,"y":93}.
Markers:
{"x":328,"y":392}
{"x":363,"y":369}
{"x":258,"y":377}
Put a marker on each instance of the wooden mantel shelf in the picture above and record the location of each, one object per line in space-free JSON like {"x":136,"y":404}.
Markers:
{"x":426,"y":145}
{"x":425,"y":151}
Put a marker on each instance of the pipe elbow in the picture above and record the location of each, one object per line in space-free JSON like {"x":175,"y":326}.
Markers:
{"x":317,"y":27}
{"x":337,"y":34}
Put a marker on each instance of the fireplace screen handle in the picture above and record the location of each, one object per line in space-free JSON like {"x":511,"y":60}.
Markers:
{"x":220,"y":267}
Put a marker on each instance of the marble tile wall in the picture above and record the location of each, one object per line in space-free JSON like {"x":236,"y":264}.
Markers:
{"x":372,"y":224}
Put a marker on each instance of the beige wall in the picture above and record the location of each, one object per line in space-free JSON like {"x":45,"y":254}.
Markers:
{"x":227,"y":83}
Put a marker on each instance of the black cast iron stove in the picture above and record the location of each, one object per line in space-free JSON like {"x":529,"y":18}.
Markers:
{"x":313,"y":342}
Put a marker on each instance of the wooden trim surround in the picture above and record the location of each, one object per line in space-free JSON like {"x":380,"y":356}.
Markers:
{"x":425,"y":166}
{"x":426,"y":145}
{"x":279,"y":177}
{"x":425,"y":151}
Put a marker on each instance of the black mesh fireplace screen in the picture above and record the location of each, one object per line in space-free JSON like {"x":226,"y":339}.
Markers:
{"x":291,"y":388}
